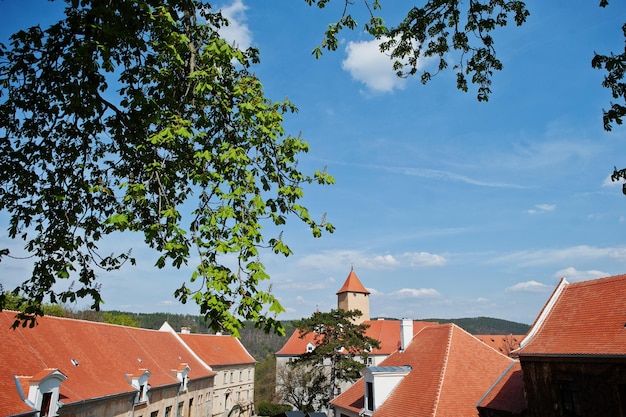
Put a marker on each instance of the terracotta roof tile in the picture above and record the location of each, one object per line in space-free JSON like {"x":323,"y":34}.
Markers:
{"x":451,"y":370}
{"x":507,"y":394}
{"x":579,"y":317}
{"x":218,"y":350}
{"x":94,"y":357}
{"x":353,"y":284}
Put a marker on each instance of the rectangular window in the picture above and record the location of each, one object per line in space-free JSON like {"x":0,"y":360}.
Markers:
{"x":232,"y":377}
{"x":168,"y":411}
{"x":179,"y":411}
{"x":45,"y":404}
{"x":570,"y":398}
{"x":240,"y":376}
{"x":154,"y":413}
{"x":225,"y":377}
{"x":190,"y":406}
{"x":369,"y":396}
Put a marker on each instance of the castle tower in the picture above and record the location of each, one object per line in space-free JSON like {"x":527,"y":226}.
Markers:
{"x":354,"y":296}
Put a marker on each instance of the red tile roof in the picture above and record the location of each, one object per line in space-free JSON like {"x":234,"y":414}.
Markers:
{"x":385,"y":331}
{"x":583,"y":318}
{"x":451,"y":371}
{"x":103,"y":354}
{"x":218,"y":350}
{"x":352,"y":284}
{"x":507,"y":394}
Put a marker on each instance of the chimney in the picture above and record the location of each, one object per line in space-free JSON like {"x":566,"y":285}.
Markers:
{"x":406,"y":333}
{"x":185,"y":330}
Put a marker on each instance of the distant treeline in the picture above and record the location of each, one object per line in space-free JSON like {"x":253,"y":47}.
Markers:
{"x":486,"y":325}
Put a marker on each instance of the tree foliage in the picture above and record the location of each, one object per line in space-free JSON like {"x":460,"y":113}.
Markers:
{"x":137,"y":116}
{"x":439,"y":28}
{"x":338,"y":342}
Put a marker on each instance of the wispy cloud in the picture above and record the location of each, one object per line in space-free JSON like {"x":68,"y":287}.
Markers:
{"x":340,"y":258}
{"x":440,"y":175}
{"x":406,"y":293}
{"x":415,"y":293}
{"x":541,"y":208}
{"x":564,"y":255}
{"x":528,"y":286}
{"x":572,"y":274}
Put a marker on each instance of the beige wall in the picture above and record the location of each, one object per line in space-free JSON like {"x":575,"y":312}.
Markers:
{"x":355,"y":301}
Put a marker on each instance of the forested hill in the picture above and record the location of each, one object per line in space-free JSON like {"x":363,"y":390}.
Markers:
{"x":486,"y":325}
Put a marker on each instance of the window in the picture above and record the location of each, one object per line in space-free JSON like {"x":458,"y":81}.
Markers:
{"x":45,"y":404}
{"x":179,"y":411}
{"x":189,"y":409}
{"x":249,"y":374}
{"x":232,"y":377}
{"x":369,"y":396}
{"x":154,"y":413}
{"x":168,"y":411}
{"x":225,"y":377}
{"x":240,"y":376}
{"x":569,"y":395}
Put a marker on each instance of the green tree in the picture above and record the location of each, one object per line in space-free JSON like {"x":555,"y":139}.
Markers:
{"x":338,"y":342}
{"x":15,"y":302}
{"x":120,"y":318}
{"x":136,"y":116}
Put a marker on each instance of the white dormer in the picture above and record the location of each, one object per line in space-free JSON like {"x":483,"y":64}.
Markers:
{"x":181,"y":376}
{"x":380,"y":381}
{"x":310,"y":347}
{"x":43,"y":391}
{"x":139,"y":381}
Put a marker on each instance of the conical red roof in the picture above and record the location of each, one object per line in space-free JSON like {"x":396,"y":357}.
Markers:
{"x":353,"y":284}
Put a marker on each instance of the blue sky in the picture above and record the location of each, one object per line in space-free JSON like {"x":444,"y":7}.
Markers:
{"x":445,"y":207}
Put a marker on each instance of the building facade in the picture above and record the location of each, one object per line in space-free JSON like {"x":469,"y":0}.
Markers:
{"x":66,"y":367}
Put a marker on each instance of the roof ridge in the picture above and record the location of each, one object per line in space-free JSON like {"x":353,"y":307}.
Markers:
{"x":444,"y":366}
{"x":545,"y":312}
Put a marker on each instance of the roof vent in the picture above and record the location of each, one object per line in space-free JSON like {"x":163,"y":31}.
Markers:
{"x":74,"y":362}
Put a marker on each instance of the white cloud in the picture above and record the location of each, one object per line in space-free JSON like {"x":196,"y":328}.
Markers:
{"x":541,"y":208}
{"x":237,"y":31}
{"x":415,"y":293}
{"x":367,"y":64}
{"x":528,"y":286}
{"x":341,"y":259}
{"x":380,"y":262}
{"x":420,"y":259}
{"x":572,"y":274}
{"x":561,"y":256}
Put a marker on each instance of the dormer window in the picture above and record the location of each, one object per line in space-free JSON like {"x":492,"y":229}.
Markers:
{"x":380,"y":381}
{"x":181,"y":376}
{"x":139,"y":381}
{"x":310,"y":347}
{"x":43,"y":391}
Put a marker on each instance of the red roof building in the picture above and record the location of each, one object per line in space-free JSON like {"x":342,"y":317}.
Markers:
{"x":444,"y":371}
{"x":573,"y":359}
{"x":82,"y":368}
